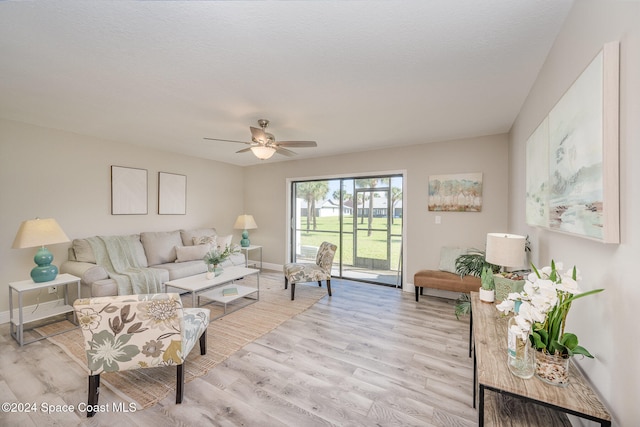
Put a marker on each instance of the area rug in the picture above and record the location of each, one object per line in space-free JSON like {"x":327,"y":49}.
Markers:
{"x":225,"y":336}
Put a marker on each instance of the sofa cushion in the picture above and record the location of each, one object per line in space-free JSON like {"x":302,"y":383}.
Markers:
{"x":83,"y":251}
{"x":187,"y":236}
{"x":160,"y":247}
{"x":178,"y":270}
{"x":448,"y":256}
{"x":191,"y":253}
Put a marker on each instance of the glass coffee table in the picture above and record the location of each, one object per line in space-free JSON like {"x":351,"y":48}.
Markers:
{"x":221,"y":289}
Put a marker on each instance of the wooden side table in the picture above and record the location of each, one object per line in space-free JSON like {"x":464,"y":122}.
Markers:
{"x":491,"y":373}
{"x":18,"y":318}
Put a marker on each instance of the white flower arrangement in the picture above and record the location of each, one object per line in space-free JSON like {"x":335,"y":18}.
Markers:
{"x":544,"y":305}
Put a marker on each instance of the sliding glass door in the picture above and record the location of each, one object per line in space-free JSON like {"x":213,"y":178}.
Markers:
{"x":362,"y":216}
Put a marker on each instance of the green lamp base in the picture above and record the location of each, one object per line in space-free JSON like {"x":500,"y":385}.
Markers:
{"x":44,"y":272}
{"x":245,"y":242}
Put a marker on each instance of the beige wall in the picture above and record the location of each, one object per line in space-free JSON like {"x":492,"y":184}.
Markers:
{"x":47,"y":173}
{"x":265,"y":194}
{"x":604,"y":323}
{"x":67,"y":177}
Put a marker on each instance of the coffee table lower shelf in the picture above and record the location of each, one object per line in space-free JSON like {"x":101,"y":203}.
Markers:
{"x":212,"y":288}
{"x":216,"y":295}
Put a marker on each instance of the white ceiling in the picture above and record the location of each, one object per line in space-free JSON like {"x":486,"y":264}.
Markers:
{"x":351,"y":75}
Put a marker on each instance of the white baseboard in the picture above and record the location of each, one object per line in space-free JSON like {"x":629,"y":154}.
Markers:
{"x":5,"y":315}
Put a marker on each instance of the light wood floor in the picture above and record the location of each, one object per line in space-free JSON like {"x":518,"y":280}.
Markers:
{"x":368,"y":356}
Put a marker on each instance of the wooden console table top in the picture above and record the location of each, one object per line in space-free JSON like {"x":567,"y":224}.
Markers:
{"x":489,"y":330}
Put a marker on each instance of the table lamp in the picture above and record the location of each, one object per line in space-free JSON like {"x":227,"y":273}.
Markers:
{"x":245,"y":222}
{"x":40,"y":232}
{"x":505,"y":250}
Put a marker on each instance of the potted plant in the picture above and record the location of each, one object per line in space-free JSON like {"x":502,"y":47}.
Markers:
{"x":507,"y":282}
{"x":215,"y":257}
{"x":487,"y":290}
{"x":472,"y":263}
{"x":463,"y":305}
{"x":545,"y":303}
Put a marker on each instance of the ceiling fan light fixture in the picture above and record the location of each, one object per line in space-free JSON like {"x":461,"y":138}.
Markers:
{"x":263,"y":152}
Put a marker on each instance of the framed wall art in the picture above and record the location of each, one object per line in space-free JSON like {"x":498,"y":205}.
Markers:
{"x":172,"y":194}
{"x":572,"y":181}
{"x":455,"y":192}
{"x":128,"y":191}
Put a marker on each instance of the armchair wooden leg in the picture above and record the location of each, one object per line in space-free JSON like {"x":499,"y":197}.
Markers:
{"x":203,"y":342}
{"x":417,"y":293}
{"x":319,"y":283}
{"x":293,"y":290}
{"x":286,"y":282}
{"x":329,"y":286}
{"x":180,"y":382}
{"x":94,"y":392}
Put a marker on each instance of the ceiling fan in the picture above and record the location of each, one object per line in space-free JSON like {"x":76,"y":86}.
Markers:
{"x":263,"y":144}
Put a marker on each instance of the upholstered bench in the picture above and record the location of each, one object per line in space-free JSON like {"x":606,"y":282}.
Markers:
{"x":443,"y":280}
{"x":446,"y":278}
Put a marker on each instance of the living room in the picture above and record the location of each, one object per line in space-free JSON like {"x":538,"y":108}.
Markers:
{"x":48,"y":172}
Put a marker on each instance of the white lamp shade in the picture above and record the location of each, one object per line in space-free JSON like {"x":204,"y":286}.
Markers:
{"x":262,"y":152}
{"x":39,"y":232}
{"x":245,"y":222}
{"x":506,"y":250}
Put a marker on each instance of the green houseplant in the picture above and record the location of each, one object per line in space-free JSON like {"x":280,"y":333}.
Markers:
{"x":216,"y":256}
{"x":487,"y":290}
{"x":463,"y":305}
{"x":472,"y":263}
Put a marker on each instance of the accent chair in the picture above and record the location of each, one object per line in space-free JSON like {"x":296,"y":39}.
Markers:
{"x":138,"y":331}
{"x":308,"y":272}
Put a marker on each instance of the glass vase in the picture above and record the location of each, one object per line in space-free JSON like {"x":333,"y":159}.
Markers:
{"x":218,"y":270}
{"x":552,"y":368}
{"x":520,"y":356}
{"x":210,"y":272}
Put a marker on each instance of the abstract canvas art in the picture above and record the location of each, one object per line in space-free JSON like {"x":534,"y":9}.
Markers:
{"x":172,"y":194}
{"x":128,"y":191}
{"x":572,"y":157}
{"x":455,"y":192}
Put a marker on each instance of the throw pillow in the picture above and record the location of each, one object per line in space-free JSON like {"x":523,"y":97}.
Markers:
{"x":191,"y":253}
{"x":83,"y":251}
{"x":187,"y":236}
{"x":206,"y":240}
{"x":448,"y":256}
{"x":224,"y":241}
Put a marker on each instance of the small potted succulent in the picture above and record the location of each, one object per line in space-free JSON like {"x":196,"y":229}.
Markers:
{"x":487,"y":290}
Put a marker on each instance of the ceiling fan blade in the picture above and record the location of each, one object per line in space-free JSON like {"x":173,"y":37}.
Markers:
{"x":244,"y":150}
{"x":228,"y":140}
{"x":258,"y":135}
{"x":297,"y":144}
{"x":284,"y":151}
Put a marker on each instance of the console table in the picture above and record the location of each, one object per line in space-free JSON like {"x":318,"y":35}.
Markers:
{"x":489,"y":332}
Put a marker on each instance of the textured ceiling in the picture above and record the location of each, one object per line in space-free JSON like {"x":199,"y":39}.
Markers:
{"x":351,"y":75}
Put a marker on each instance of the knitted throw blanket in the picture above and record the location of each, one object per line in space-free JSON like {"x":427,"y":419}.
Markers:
{"x":117,"y":255}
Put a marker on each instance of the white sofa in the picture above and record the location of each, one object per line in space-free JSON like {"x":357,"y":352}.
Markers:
{"x":163,"y":255}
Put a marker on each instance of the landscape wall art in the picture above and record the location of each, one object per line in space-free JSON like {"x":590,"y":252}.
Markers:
{"x":572,"y":157}
{"x":455,"y":192}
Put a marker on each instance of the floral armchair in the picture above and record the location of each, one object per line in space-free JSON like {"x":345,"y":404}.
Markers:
{"x":307,"y":272}
{"x":138,"y":331}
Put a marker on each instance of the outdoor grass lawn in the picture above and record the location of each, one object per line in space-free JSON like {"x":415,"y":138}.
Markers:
{"x":374,"y":246}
